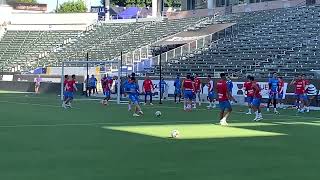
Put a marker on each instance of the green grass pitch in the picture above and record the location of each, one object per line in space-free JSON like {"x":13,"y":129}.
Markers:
{"x":41,"y":141}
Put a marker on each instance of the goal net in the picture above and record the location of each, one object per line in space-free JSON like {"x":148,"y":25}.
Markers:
{"x":88,"y":78}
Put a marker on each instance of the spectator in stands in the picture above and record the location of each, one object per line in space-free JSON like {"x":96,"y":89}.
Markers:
{"x":37,"y":81}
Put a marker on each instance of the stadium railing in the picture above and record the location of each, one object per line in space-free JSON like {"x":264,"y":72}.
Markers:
{"x":144,"y":51}
{"x":239,"y":8}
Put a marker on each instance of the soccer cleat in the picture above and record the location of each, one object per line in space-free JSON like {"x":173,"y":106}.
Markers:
{"x":248,"y":113}
{"x":268,"y":110}
{"x":136,"y":115}
{"x":209,"y":107}
{"x":140,"y":112}
{"x":276,"y":112}
{"x":199,"y":103}
{"x":151,"y":104}
{"x":307,"y":109}
{"x":64,"y":105}
{"x":223,"y":123}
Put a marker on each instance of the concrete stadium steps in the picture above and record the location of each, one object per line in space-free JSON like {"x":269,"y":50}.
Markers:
{"x":283,"y":40}
{"x":109,"y":40}
{"x":21,"y":48}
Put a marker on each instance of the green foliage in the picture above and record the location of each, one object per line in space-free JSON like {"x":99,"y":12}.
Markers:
{"x":77,"y":6}
{"x":28,"y":1}
{"x":22,"y":1}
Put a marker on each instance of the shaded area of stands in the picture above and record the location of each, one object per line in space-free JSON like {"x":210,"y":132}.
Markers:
{"x":282,"y":40}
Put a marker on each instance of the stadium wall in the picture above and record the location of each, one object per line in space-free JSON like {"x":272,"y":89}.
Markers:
{"x":236,"y":9}
{"x":46,"y":87}
{"x":46,"y":27}
{"x":53,"y":18}
{"x":5,"y":13}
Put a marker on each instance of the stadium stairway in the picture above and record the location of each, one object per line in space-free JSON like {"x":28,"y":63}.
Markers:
{"x":19,"y":50}
{"x":281,"y":40}
{"x":107,"y":41}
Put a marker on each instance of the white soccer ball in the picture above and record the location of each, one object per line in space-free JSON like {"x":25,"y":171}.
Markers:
{"x":158,"y":113}
{"x":175,"y":134}
{"x":104,"y":102}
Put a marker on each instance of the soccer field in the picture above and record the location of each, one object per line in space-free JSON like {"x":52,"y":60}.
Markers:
{"x":41,"y":141}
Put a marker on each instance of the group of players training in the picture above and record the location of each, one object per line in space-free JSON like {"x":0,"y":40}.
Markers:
{"x":190,"y":88}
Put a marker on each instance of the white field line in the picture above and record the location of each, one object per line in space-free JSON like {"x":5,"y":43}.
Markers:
{"x":102,"y":123}
{"x":34,"y":104}
{"x":214,"y":122}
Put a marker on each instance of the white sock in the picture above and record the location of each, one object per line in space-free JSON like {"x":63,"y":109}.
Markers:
{"x":129,"y":106}
{"x":275,"y":109}
{"x":257,"y":114}
{"x":260,"y":115}
{"x":249,"y":110}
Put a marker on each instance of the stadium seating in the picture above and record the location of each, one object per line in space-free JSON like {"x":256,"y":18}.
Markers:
{"x":27,"y":50}
{"x":23,"y":48}
{"x":108,"y":40}
{"x":282,"y":40}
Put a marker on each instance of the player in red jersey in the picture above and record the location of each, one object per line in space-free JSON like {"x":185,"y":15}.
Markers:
{"x":299,"y":91}
{"x":197,"y":87}
{"x":188,"y":87}
{"x":305,"y":96}
{"x":69,"y":88}
{"x":256,"y":99}
{"x":147,"y":89}
{"x":106,"y":87}
{"x":249,"y":92}
{"x":223,"y":97}
{"x":104,"y":81}
{"x":194,"y":94}
{"x":281,"y":92}
{"x":66,"y":77}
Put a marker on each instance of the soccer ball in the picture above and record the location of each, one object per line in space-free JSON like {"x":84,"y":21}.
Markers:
{"x":104,"y":102}
{"x":175,"y":134}
{"x":158,"y":113}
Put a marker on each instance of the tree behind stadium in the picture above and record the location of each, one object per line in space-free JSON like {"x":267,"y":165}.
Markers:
{"x":77,"y":6}
{"x":10,"y":2}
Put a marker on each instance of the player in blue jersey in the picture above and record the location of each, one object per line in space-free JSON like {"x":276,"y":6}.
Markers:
{"x":126,"y":82}
{"x":132,"y":89}
{"x":229,"y":85}
{"x":211,"y":94}
{"x":177,"y":89}
{"x":273,"y":92}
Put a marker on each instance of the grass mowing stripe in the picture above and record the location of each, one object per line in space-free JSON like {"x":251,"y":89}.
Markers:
{"x":34,"y":104}
{"x":152,"y":107}
{"x":101,"y":123}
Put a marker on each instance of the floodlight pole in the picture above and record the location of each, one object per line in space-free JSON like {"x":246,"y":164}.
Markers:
{"x":160,"y":83}
{"x":62,"y":80}
{"x":87,"y":79}
{"x":119,"y":78}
